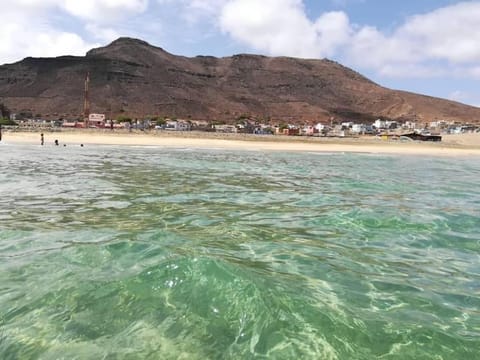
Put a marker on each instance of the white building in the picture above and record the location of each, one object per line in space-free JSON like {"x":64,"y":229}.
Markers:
{"x":96,"y":117}
{"x":358,"y":128}
{"x":380,"y":124}
{"x":96,"y":120}
{"x":410,"y":125}
{"x":308,"y":130}
{"x":177,"y":125}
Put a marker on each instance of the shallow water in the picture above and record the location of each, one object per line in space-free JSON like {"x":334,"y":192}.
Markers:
{"x":149,"y":253}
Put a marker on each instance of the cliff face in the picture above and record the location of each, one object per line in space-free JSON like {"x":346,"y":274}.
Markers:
{"x":132,"y":77}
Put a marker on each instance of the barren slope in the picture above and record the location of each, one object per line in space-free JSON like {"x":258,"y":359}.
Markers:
{"x":132,"y":77}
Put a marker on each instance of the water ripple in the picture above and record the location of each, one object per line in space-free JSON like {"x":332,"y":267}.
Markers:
{"x":110,"y":252}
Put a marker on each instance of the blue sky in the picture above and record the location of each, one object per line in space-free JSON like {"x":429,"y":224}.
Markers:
{"x":425,"y":46}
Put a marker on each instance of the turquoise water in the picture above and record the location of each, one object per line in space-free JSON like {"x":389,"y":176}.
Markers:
{"x":151,"y":253}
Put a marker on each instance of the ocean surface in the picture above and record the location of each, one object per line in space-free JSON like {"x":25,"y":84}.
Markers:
{"x":151,"y":253}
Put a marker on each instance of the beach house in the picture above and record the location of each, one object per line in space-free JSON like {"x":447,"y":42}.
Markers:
{"x":177,"y":125}
{"x":96,"y":120}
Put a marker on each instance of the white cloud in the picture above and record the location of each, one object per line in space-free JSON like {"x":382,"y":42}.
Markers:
{"x":28,"y":26}
{"x":448,"y":38}
{"x":195,"y":11}
{"x":26,"y":32}
{"x":281,"y":27}
{"x":333,"y":31}
{"x":104,"y":34}
{"x":98,"y":10}
{"x":474,"y":71}
{"x":30,"y":4}
{"x":103,"y":10}
{"x":19,"y":39}
{"x":206,"y":6}
{"x":46,"y":44}
{"x":448,"y":35}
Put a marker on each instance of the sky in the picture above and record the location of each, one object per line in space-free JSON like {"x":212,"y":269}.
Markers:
{"x":430,"y":47}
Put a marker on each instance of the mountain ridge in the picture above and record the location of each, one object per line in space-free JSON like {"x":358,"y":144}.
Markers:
{"x":129,"y":76}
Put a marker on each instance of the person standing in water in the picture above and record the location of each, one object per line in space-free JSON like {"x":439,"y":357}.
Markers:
{"x":42,"y":140}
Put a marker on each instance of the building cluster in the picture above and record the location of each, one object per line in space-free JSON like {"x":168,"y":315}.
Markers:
{"x":251,"y":126}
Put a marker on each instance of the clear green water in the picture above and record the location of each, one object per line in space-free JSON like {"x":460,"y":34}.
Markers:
{"x":150,"y":253}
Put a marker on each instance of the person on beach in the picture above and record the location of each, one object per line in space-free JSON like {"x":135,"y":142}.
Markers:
{"x":42,"y":140}
{"x":56,"y":142}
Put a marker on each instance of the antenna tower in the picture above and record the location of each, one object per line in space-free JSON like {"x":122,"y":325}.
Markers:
{"x":86,"y":104}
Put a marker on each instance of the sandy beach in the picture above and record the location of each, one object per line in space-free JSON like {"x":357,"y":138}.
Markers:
{"x":452,"y":145}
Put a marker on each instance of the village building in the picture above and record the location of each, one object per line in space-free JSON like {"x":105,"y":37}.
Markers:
{"x":309,"y":130}
{"x":177,"y":125}
{"x":224,"y":128}
{"x":290,"y":130}
{"x":96,"y":120}
{"x":71,"y":124}
{"x":409,"y":125}
{"x":359,"y":128}
{"x":380,"y":124}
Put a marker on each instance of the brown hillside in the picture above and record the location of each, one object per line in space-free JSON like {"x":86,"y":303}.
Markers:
{"x":132,"y":77}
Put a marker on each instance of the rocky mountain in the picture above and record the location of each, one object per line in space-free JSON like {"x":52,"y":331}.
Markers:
{"x":134,"y":78}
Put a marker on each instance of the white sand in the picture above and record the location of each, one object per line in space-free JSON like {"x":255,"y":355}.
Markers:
{"x":453,"y":145}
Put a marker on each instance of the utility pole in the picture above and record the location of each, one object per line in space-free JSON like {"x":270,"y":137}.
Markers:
{"x":86,"y":104}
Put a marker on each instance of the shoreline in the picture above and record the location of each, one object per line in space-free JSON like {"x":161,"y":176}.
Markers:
{"x":453,"y":145}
